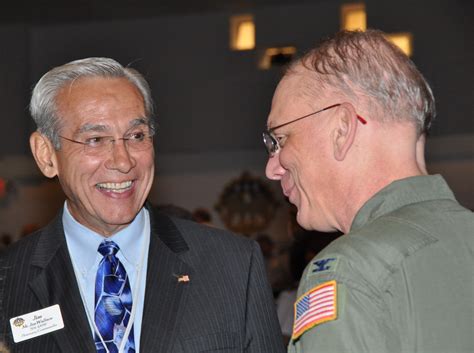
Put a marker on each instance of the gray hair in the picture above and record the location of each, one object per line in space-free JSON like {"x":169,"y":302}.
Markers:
{"x":43,"y":105}
{"x":366,"y":66}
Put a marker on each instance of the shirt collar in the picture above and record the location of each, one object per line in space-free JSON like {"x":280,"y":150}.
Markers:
{"x":86,"y":242}
{"x":400,"y":193}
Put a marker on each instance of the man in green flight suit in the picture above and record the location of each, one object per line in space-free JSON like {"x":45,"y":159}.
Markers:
{"x":345,"y":138}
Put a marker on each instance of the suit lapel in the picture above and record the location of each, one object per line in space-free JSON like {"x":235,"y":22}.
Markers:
{"x":165,"y":296}
{"x":56,"y":284}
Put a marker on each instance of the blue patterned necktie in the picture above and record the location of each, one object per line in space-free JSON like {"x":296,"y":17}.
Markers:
{"x":113,"y":301}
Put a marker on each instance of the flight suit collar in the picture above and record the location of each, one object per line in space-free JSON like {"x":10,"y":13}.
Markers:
{"x":400,"y":193}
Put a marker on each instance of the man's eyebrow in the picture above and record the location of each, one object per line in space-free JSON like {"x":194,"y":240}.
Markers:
{"x":92,"y":127}
{"x":103,"y":128}
{"x":272,"y":126}
{"x":140,"y":121}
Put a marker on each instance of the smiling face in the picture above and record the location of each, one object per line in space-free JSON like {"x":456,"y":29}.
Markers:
{"x":301,"y":164}
{"x":104,"y":192}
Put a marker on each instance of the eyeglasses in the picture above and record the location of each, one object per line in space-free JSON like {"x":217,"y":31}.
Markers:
{"x":271,"y":142}
{"x":134,"y":141}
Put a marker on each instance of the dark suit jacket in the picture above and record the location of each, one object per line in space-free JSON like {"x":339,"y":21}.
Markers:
{"x":226,"y":306}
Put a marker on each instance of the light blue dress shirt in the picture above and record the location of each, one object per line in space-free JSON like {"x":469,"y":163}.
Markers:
{"x":133,"y":242}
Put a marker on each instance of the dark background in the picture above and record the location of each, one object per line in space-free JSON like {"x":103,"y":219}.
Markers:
{"x":202,"y":88}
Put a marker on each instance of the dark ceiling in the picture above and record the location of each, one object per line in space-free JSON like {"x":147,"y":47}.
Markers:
{"x":56,"y":11}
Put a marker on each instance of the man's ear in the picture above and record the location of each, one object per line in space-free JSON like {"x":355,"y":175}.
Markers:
{"x":44,"y":154}
{"x":345,"y":131}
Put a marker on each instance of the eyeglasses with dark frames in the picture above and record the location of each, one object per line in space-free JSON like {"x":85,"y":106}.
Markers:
{"x":271,"y":142}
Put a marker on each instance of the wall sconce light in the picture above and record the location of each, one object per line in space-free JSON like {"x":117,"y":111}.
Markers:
{"x":402,"y":40}
{"x":242,"y":32}
{"x":353,"y":17}
{"x":277,"y":56}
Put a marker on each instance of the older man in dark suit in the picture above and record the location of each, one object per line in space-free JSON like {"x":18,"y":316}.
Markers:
{"x":110,"y":274}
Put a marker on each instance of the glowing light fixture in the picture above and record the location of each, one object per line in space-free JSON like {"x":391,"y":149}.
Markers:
{"x":353,"y":17}
{"x":276,"y":57}
{"x":242,"y":32}
{"x":402,"y":40}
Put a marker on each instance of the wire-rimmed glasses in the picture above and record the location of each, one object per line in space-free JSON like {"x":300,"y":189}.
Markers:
{"x":270,"y":140}
{"x":135,"y":141}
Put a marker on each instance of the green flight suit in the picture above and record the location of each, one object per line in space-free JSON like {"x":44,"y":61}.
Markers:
{"x":404,"y":276}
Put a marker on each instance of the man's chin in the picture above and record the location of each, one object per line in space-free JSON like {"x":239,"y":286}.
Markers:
{"x":302,"y":220}
{"x":117,"y":221}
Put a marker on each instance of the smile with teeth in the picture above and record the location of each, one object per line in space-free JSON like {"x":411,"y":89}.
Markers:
{"x":115,"y":187}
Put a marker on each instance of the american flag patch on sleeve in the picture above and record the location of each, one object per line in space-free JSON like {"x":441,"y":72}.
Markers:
{"x":315,"y":307}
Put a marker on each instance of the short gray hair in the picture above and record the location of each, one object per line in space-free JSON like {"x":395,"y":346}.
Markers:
{"x":43,"y":105}
{"x":366,"y":66}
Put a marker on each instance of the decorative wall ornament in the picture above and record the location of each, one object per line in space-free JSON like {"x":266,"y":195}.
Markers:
{"x":247,"y":204}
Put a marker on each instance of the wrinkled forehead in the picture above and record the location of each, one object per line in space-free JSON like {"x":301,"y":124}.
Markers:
{"x":100,"y":104}
{"x":95,"y":88}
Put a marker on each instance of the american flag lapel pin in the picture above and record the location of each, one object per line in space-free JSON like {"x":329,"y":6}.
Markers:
{"x":182,"y":278}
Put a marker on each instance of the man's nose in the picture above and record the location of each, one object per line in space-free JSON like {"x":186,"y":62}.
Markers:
{"x":274,"y":170}
{"x":120,"y":158}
